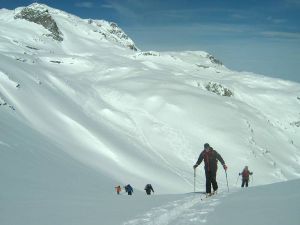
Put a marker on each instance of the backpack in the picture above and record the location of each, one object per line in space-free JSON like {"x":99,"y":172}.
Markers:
{"x":128,"y":188}
{"x":246,"y":173}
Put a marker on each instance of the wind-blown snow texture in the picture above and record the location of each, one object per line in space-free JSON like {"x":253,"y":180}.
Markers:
{"x":85,"y":113}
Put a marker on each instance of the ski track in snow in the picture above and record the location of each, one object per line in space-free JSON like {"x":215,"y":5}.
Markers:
{"x":190,"y":210}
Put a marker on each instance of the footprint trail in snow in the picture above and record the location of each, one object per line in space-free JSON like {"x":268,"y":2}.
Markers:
{"x":190,"y":210}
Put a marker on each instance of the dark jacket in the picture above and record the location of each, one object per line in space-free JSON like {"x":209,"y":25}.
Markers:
{"x":149,"y":188}
{"x":210,"y":159}
{"x":128,"y":188}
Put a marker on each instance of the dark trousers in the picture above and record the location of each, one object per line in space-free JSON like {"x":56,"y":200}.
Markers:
{"x":211,"y":180}
{"x":129,"y":192}
{"x":245,"y":182}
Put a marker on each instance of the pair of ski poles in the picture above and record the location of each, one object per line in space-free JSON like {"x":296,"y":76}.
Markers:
{"x":195,"y":180}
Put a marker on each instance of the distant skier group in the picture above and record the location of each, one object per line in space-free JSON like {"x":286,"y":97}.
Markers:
{"x":210,"y":158}
{"x":129,"y":190}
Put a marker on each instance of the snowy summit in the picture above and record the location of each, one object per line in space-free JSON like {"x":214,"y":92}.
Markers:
{"x":83,"y":110}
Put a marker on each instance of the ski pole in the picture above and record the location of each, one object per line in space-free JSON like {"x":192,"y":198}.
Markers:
{"x":194,"y":180}
{"x":237,"y":179}
{"x":227,"y":180}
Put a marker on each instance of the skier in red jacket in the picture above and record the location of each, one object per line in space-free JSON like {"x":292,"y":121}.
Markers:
{"x":245,"y":176}
{"x":211,"y":158}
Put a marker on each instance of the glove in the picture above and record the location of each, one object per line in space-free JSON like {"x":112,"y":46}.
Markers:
{"x":225,"y":167}
{"x":195,"y":166}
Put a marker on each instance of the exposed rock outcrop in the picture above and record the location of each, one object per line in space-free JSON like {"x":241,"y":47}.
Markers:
{"x":38,"y":14}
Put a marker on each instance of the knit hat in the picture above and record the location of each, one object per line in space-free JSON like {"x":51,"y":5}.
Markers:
{"x":206,"y":145}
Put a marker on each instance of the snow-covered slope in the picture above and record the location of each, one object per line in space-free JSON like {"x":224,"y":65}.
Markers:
{"x":274,"y":204}
{"x":87,"y":111}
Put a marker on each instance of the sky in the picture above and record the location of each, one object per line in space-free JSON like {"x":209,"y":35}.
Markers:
{"x":261,"y":36}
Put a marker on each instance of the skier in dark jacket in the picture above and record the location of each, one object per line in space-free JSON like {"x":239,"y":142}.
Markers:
{"x":148,"y":189}
{"x":128,"y":189}
{"x":245,"y":176}
{"x":210,"y":157}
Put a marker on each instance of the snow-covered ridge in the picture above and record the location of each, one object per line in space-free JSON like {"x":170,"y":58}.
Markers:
{"x":112,"y":31}
{"x":131,"y":93}
{"x":91,"y":113}
{"x":46,"y":16}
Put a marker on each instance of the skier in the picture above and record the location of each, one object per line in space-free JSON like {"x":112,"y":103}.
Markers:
{"x":245,"y":176}
{"x":148,"y":189}
{"x":118,"y":189}
{"x":128,"y":189}
{"x":210,"y":157}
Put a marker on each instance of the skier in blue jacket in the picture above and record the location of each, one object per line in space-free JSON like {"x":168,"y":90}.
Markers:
{"x":128,"y":189}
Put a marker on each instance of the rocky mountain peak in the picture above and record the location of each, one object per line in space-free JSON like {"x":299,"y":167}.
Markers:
{"x":113,"y":32}
{"x":39,"y":14}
